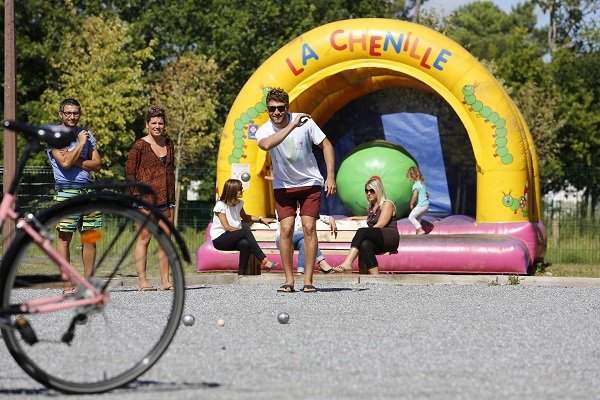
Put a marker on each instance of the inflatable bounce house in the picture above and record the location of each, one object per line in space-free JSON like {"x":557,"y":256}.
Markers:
{"x":491,"y":225}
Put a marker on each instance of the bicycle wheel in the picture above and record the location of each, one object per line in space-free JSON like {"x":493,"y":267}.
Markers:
{"x":117,"y":342}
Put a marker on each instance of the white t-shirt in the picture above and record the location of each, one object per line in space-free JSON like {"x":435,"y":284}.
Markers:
{"x":294,"y":164}
{"x":233,"y":218}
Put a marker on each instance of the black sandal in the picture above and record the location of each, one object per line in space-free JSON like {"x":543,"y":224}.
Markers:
{"x":325,"y":271}
{"x":286,"y":288}
{"x":309,"y":289}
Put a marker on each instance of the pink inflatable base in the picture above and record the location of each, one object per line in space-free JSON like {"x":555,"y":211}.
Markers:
{"x":453,"y":244}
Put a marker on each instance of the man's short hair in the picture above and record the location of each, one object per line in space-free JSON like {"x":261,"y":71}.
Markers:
{"x":69,"y":102}
{"x":279,"y":95}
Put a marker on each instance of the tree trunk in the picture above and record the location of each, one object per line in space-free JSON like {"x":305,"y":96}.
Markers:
{"x":416,"y":15}
{"x":177,"y":186}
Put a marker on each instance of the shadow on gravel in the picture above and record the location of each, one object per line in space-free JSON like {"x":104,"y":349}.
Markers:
{"x":137,"y":386}
{"x":197,"y":287}
{"x":28,"y":392}
{"x":157,"y":386}
{"x":324,"y":290}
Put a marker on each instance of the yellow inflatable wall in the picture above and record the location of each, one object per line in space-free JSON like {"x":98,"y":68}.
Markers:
{"x":327,"y":67}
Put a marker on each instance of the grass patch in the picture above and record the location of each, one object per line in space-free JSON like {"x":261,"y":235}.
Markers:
{"x":571,"y":270}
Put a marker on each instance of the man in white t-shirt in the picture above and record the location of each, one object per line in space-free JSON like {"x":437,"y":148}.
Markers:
{"x":297,"y":182}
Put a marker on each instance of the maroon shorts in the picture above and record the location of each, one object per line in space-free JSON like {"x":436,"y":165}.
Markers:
{"x":288,"y":199}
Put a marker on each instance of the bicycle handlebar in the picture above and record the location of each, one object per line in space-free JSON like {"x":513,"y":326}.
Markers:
{"x":55,"y":135}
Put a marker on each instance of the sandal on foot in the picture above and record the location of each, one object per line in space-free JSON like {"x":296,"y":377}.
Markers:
{"x":286,"y":288}
{"x":339,"y":268}
{"x":170,"y":287}
{"x":325,"y":271}
{"x":265,"y":267}
{"x":68,"y":291}
{"x":309,"y":289}
{"x":147,"y":289}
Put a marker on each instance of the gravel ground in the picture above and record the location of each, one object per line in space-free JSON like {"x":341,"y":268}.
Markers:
{"x":371,"y":341}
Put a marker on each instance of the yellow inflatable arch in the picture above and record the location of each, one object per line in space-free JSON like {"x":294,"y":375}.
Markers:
{"x":327,"y":67}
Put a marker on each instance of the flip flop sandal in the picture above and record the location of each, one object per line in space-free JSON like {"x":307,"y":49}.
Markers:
{"x":340,"y":269}
{"x":170,"y":287}
{"x":147,"y":289}
{"x":325,"y":271}
{"x":263,"y":265}
{"x":309,"y":289}
{"x":286,"y":288}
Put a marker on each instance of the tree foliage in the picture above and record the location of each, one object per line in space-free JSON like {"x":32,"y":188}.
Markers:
{"x":106,"y":77}
{"x":188,"y":90}
{"x":193,"y":58}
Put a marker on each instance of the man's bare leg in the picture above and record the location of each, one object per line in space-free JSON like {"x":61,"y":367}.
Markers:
{"x":88,"y":255}
{"x":311,"y":243}
{"x":63,"y":245}
{"x":286,"y":248}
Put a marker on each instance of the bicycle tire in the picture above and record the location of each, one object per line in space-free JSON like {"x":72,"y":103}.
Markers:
{"x":118,"y":343}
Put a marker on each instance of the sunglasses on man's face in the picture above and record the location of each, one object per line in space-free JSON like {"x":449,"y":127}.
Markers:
{"x":278,"y":108}
{"x":371,"y":191}
{"x":71,"y":113}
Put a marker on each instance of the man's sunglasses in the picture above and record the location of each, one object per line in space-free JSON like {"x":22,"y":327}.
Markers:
{"x":367,"y":191}
{"x":278,"y":108}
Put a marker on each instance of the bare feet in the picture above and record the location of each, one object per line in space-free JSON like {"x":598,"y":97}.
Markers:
{"x":420,"y":231}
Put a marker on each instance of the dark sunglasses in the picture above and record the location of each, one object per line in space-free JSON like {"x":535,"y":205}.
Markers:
{"x":278,"y":108}
{"x":367,"y":191}
{"x":71,"y":113}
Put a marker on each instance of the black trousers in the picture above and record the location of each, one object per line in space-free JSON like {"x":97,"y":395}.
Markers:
{"x":242,"y":240}
{"x":372,"y":241}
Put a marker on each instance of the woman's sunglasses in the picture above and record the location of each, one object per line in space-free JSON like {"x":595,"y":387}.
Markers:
{"x":367,"y":191}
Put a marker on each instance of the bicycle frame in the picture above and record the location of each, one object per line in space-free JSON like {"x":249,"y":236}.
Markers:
{"x":59,"y":136}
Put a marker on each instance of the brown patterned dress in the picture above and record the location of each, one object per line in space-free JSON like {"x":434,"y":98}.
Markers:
{"x":144,"y":166}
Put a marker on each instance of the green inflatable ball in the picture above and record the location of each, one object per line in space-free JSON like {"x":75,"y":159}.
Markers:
{"x":387,"y":160}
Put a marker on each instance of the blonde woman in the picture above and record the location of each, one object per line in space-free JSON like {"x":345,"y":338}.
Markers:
{"x":380,"y":236}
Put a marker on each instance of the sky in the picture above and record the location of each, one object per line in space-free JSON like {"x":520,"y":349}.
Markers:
{"x":447,"y":6}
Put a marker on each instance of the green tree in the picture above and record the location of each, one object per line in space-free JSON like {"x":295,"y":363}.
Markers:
{"x":483,"y":28}
{"x":577,"y":75}
{"x":97,"y":66}
{"x":573,"y":23}
{"x":538,"y":104}
{"x":188,"y":91}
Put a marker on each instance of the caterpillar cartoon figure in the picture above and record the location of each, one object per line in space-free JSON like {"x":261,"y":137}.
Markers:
{"x":514,"y":203}
{"x":241,"y":123}
{"x":511,"y":202}
{"x":499,"y":124}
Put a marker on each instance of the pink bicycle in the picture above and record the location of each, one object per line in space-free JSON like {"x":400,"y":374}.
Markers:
{"x":107,"y":333}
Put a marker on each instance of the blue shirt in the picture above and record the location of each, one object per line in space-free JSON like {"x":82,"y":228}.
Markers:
{"x":73,"y":177}
{"x":422,"y":200}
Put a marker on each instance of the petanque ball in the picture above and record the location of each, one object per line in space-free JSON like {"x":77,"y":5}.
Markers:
{"x":283,"y":318}
{"x":188,"y":319}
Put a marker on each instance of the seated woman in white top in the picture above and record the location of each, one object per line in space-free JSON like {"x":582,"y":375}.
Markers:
{"x":226,"y":231}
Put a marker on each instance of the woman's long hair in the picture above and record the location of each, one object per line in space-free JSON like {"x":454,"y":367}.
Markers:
{"x":377,"y":185}
{"x":231,"y":188}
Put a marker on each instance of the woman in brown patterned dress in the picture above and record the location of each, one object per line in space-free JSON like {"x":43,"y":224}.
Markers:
{"x":151,"y":161}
